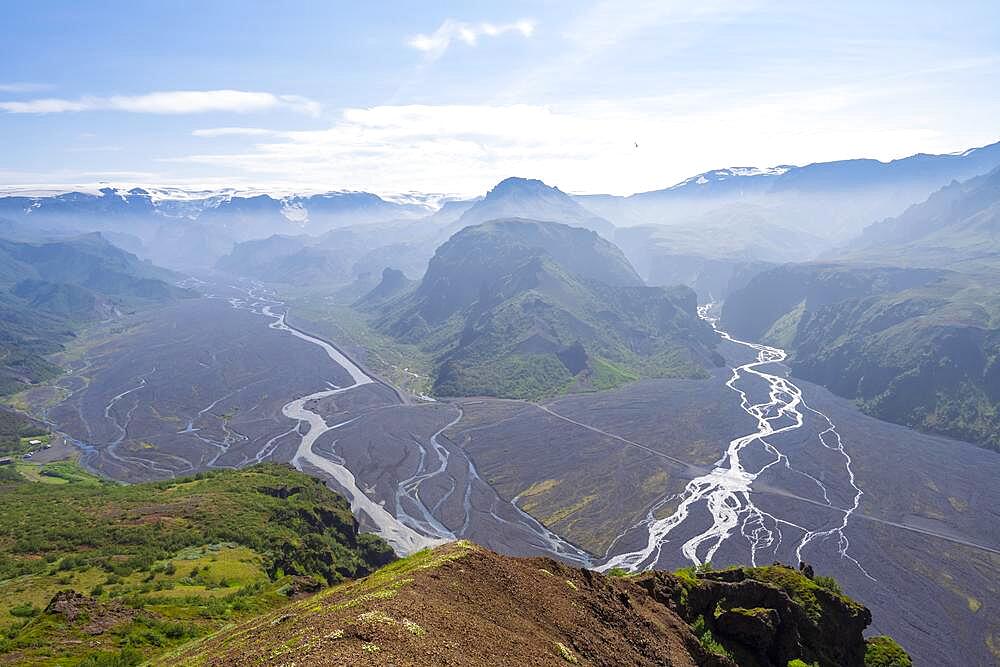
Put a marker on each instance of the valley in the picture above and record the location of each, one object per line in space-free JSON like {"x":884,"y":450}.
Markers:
{"x":587,"y":478}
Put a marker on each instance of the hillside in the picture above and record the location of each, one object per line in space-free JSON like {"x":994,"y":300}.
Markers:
{"x":48,"y":289}
{"x":958,"y":227}
{"x":465,"y":606}
{"x":522,"y":308}
{"x":913,"y":346}
{"x":119,"y":573}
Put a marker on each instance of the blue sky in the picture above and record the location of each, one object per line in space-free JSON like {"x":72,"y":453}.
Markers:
{"x":451,"y":97}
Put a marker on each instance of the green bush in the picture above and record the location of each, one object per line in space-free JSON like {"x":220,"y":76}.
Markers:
{"x":25,"y":610}
{"x":883,"y":651}
{"x":828,"y":583}
{"x":707,"y":639}
{"x":127,"y":657}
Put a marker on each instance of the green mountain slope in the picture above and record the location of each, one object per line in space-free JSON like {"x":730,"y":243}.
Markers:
{"x":522,"y":308}
{"x":918,"y":347}
{"x":123,"y":572}
{"x":958,"y":227}
{"x":48,"y":289}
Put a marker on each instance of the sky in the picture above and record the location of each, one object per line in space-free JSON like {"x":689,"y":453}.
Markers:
{"x":389,"y":97}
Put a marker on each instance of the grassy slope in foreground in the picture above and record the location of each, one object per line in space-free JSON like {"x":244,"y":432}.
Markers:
{"x":463,"y":605}
{"x":156,"y":564}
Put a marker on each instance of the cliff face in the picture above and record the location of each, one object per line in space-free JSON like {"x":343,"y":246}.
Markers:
{"x":463,"y":605}
{"x":766,"y":615}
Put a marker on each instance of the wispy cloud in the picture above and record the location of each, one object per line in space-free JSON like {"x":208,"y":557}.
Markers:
{"x":234,"y":132}
{"x":23,"y":87}
{"x":436,"y":43}
{"x":587,"y":147}
{"x":170,"y":102}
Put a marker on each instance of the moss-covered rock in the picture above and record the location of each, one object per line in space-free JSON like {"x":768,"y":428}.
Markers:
{"x":767,"y":615}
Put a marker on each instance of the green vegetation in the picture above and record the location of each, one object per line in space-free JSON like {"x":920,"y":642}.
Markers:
{"x":403,"y":365}
{"x":804,"y":592}
{"x":523,"y":309}
{"x":883,"y":651}
{"x":15,"y":432}
{"x":156,"y":564}
{"x":829,"y":583}
{"x":919,"y":347}
{"x":707,"y":639}
{"x":566,"y":654}
{"x":49,"y":290}
{"x":350,"y":602}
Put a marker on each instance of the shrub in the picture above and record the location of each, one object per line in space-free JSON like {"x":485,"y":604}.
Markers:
{"x":127,"y":657}
{"x":828,"y":583}
{"x":25,"y":610}
{"x":885,"y":652}
{"x":707,"y":639}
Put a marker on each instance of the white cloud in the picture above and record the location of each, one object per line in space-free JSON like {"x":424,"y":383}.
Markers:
{"x":435,"y":44}
{"x":463,"y":149}
{"x":171,"y":102}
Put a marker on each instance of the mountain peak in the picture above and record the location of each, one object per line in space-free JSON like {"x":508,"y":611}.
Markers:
{"x":517,"y":184}
{"x":530,"y":198}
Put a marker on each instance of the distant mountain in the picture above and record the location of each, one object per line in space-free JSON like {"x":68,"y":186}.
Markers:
{"x":534,"y":200}
{"x":451,"y":211}
{"x":61,"y":299}
{"x":193,"y":229}
{"x":526,"y":308}
{"x":919,"y":347}
{"x":393,"y":284}
{"x":707,"y":252}
{"x":334,"y":258}
{"x":834,"y":200}
{"x":47,"y":289}
{"x":957,"y":227}
{"x":90,"y":261}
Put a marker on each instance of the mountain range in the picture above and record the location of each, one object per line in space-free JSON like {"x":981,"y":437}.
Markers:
{"x":904,"y":318}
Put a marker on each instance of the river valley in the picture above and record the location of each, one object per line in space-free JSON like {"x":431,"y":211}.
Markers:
{"x":747,"y":466}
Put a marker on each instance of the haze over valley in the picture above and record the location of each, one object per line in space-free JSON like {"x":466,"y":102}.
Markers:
{"x":463,"y":383}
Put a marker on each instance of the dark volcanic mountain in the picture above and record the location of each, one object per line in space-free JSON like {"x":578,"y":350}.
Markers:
{"x":526,"y":308}
{"x":533,"y":200}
